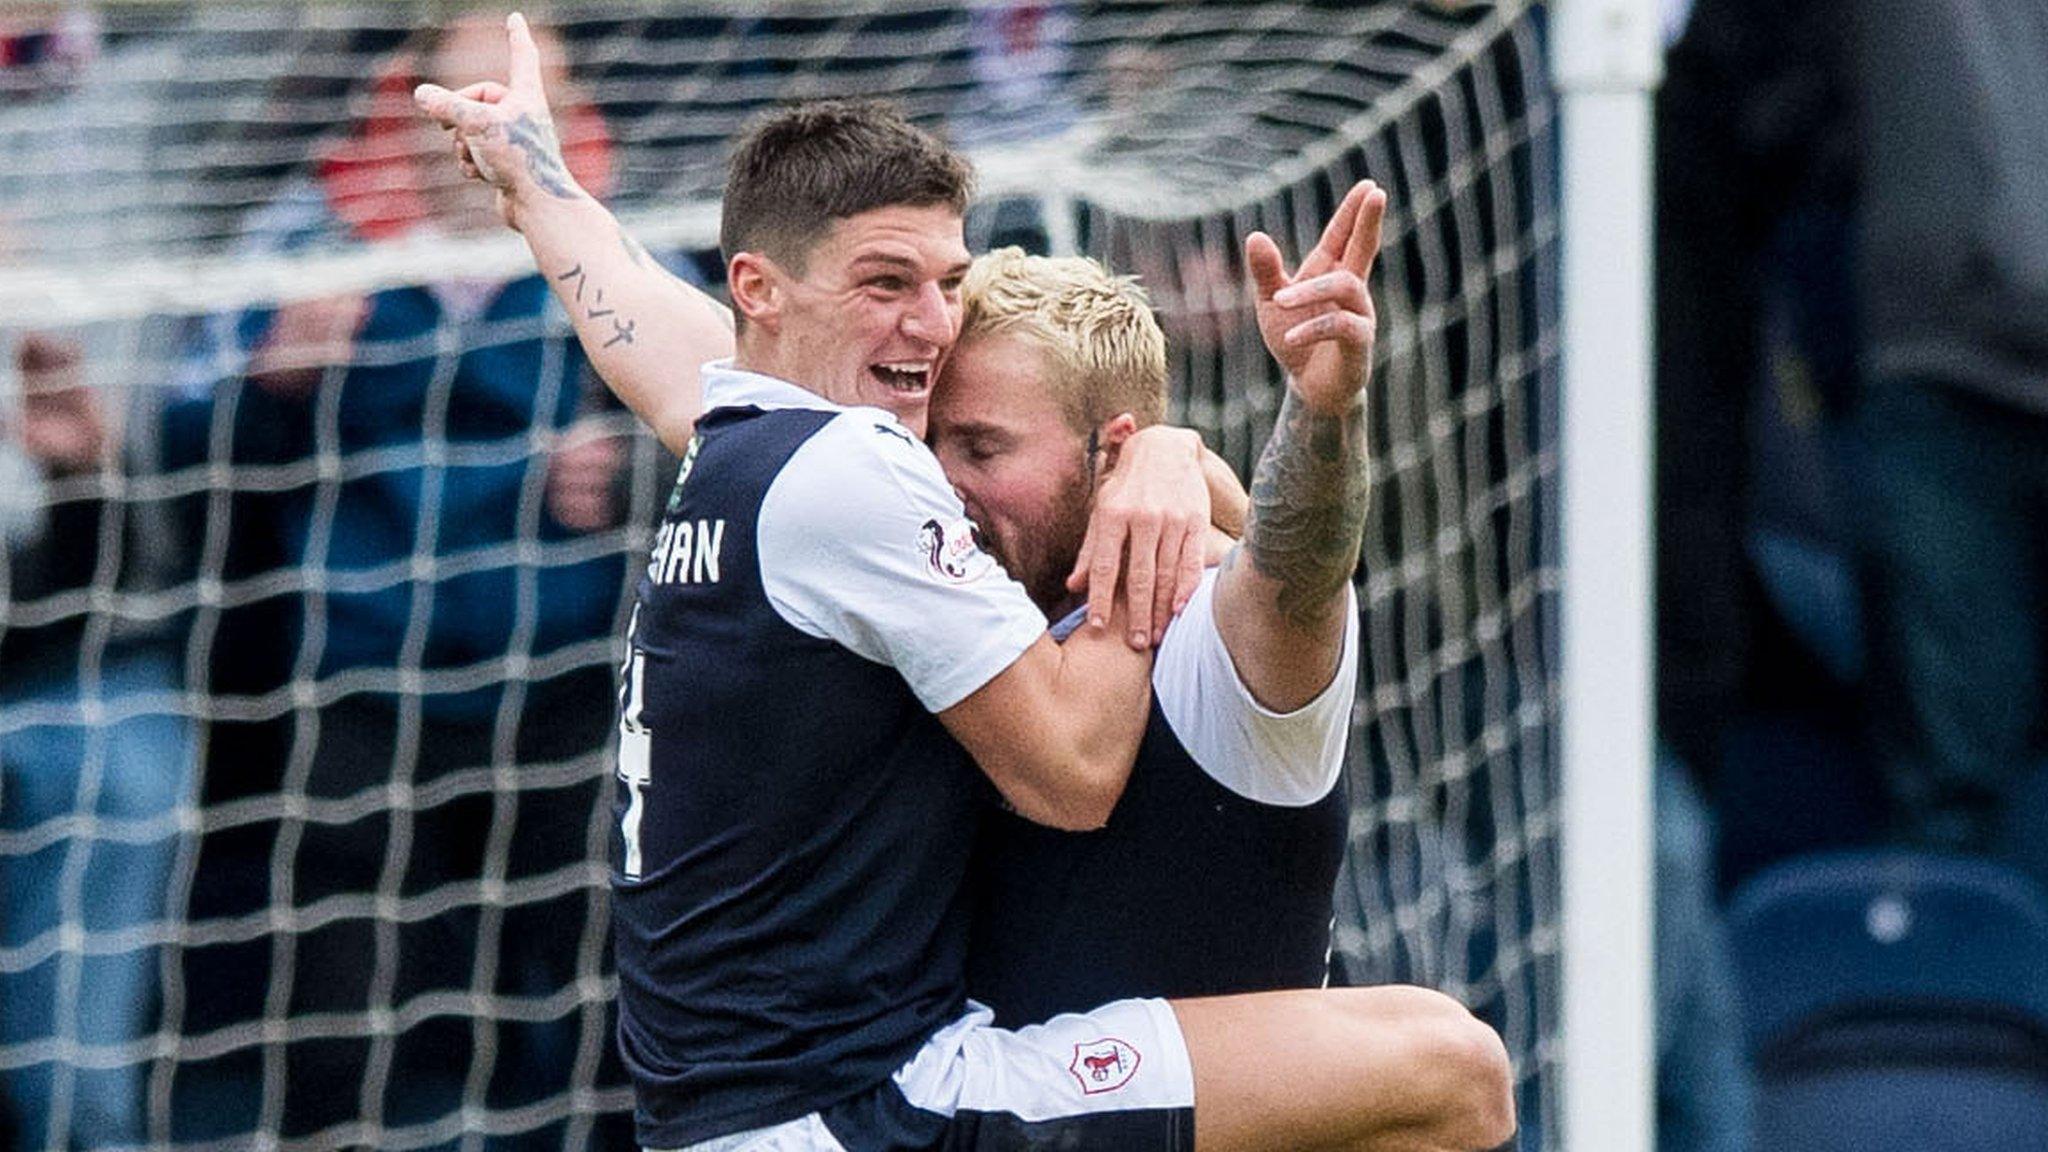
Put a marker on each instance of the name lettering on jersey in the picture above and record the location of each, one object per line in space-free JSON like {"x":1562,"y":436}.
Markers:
{"x":1103,"y":1065}
{"x":687,"y":552}
{"x":952,"y":552}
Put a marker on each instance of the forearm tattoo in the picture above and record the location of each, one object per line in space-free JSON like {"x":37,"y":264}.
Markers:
{"x":1308,"y":507}
{"x":536,"y":140}
{"x":595,"y":309}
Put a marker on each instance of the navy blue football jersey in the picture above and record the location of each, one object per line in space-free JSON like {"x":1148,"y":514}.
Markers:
{"x":793,"y":824}
{"x":1216,"y":871}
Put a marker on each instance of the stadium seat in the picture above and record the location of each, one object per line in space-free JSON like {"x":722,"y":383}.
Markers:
{"x":1895,"y":1002}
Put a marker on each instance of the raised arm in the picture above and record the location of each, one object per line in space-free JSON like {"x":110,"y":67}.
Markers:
{"x":645,"y":330}
{"x":1281,"y":598}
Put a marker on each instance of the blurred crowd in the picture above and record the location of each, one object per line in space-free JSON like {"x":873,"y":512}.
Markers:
{"x":396,"y":626}
{"x":1852,"y":374}
{"x":309,"y":609}
{"x":403,"y":611}
{"x":1852,"y":403}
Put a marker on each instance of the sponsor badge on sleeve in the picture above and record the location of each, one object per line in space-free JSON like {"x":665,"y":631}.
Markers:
{"x":952,"y":553}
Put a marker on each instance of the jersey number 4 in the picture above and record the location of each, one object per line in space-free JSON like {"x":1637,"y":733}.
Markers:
{"x":635,"y":746}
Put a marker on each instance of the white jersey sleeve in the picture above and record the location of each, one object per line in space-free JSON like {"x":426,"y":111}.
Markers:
{"x":1290,"y":759}
{"x":863,"y":542}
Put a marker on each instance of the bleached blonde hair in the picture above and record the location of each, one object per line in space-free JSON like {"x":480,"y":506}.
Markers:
{"x":1105,"y":350}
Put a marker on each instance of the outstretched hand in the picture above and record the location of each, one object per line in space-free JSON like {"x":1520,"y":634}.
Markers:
{"x":1318,"y":321}
{"x":502,"y":133}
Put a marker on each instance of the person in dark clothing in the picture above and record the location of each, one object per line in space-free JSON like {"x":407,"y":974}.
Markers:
{"x":92,"y":730}
{"x":1749,"y":127}
{"x":1953,"y":112}
{"x":448,"y":655}
{"x":1239,"y":776}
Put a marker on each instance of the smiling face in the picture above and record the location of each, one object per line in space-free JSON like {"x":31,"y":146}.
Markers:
{"x":872,"y":314}
{"x":999,"y":431}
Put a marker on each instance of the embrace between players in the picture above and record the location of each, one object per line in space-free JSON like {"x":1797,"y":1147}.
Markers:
{"x":860,"y":781}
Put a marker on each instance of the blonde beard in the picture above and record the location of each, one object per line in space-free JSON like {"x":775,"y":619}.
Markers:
{"x":1055,"y":543}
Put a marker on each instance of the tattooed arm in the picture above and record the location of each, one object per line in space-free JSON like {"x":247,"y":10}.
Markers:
{"x":1281,"y":597}
{"x":645,"y":330}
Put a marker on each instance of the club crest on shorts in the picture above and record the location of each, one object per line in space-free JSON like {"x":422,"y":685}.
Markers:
{"x":952,"y":552}
{"x":1103,"y":1065}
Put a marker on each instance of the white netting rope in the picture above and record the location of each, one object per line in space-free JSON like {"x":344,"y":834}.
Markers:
{"x":1153,"y":134}
{"x":1452,"y":878}
{"x":1204,"y":141}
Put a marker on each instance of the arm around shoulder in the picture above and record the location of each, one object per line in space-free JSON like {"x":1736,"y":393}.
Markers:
{"x":863,"y":542}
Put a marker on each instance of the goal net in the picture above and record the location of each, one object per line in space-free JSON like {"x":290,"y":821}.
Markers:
{"x":317,"y":528}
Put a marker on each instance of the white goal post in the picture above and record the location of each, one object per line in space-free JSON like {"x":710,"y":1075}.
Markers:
{"x":1606,"y":60}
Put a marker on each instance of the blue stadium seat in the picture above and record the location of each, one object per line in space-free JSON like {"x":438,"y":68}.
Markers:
{"x":1895,"y":1002}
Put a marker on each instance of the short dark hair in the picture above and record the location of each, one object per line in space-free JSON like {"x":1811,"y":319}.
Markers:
{"x":798,"y":169}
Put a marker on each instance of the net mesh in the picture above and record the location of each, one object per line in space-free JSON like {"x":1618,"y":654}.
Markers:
{"x":306,"y":715}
